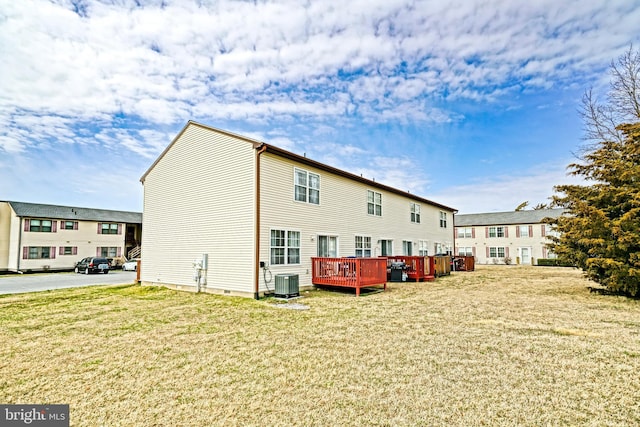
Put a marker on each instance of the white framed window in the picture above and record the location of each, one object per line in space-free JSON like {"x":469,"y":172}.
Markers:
{"x":38,"y":252}
{"x":423,"y":248}
{"x":415,"y":213}
{"x":524,"y":231}
{"x":363,"y":246}
{"x":468,"y":251}
{"x":438,"y":247}
{"x":465,"y":232}
{"x":306,"y":186}
{"x":443,"y":219}
{"x":109,"y":251}
{"x":374,"y":203}
{"x":69,"y":225}
{"x":68,"y":250}
{"x":327,"y":246}
{"x":407,"y":247}
{"x":40,"y":225}
{"x":284,"y":247}
{"x":386,"y":247}
{"x":109,"y":228}
{"x":496,"y":252}
{"x":496,"y":232}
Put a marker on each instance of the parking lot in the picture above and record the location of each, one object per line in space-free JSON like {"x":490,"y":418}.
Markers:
{"x":20,"y":283}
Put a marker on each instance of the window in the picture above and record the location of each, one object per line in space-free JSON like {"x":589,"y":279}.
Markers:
{"x":38,"y":252}
{"x":423,"y":248}
{"x":407,"y":248}
{"x":108,"y":228}
{"x":386,"y":247}
{"x":443,"y":219}
{"x":496,"y":232}
{"x":374,"y":203}
{"x":68,"y":250}
{"x":465,"y":232}
{"x":328,"y":246}
{"x":496,"y":252}
{"x":69,"y":225}
{"x":524,"y":231}
{"x":415,"y":213}
{"x":465,"y":251}
{"x":108,"y":251}
{"x":307,"y":187}
{"x":285,"y":247}
{"x":363,"y":246}
{"x":293,"y":247}
{"x":39,"y":225}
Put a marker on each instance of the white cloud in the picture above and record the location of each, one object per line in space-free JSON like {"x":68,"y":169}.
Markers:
{"x":125,"y":77}
{"x":504,"y":192}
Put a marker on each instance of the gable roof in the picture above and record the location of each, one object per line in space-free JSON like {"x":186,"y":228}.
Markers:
{"x":37,"y":210}
{"x":300,"y":159}
{"x":507,"y":218}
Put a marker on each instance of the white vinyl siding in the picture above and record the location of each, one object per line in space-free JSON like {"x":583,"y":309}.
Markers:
{"x":342,"y":214}
{"x":199,"y":199}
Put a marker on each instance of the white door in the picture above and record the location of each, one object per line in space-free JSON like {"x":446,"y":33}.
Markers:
{"x":525,"y":256}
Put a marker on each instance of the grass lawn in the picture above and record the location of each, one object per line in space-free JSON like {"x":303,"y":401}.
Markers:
{"x":510,"y":346}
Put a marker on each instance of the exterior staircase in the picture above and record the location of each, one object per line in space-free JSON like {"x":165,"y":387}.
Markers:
{"x":134,"y":253}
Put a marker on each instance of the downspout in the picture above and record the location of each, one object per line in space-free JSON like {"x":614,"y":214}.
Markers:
{"x":453,"y":250}
{"x":256,"y":239}
{"x":19,"y":247}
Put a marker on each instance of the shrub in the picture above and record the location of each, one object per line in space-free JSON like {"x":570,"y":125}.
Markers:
{"x":552,"y":262}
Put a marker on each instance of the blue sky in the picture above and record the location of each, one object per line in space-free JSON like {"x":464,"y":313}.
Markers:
{"x":472,"y":104}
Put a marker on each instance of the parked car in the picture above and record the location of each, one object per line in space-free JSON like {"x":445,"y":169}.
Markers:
{"x":131,"y":265}
{"x":92,"y":265}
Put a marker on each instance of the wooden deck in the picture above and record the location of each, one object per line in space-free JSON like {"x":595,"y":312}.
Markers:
{"x":354,"y":273}
{"x":465,"y":263}
{"x":419,"y":268}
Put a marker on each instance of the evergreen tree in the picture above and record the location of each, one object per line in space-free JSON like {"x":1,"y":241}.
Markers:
{"x":601,"y":231}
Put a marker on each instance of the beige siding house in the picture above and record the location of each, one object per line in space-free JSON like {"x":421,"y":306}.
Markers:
{"x":517,"y":237}
{"x":38,"y":237}
{"x":253,"y":210}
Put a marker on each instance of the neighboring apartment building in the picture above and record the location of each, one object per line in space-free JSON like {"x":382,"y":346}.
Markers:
{"x":37,"y":237}
{"x":257,"y":210}
{"x":517,"y":237}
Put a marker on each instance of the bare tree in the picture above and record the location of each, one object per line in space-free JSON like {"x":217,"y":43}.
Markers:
{"x":622,"y":103}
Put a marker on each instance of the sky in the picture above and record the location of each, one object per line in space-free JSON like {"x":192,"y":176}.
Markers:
{"x":471,"y":104}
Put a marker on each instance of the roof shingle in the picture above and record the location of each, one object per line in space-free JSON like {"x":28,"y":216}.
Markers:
{"x":37,"y":210}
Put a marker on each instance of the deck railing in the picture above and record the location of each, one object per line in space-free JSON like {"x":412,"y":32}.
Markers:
{"x":349,"y":272}
{"x":419,"y":268}
{"x":442,"y":265}
{"x":465,"y":263}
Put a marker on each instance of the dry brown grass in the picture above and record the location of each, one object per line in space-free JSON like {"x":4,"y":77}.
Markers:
{"x":509,"y":346}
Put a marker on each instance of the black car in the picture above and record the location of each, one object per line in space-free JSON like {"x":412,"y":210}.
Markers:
{"x":92,"y":265}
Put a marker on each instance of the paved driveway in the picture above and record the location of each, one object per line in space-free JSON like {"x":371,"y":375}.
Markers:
{"x":19,"y":283}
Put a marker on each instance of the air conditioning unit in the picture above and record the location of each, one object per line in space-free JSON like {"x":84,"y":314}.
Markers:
{"x":287,"y":286}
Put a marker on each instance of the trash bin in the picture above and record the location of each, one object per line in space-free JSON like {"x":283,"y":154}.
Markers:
{"x":397,"y":271}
